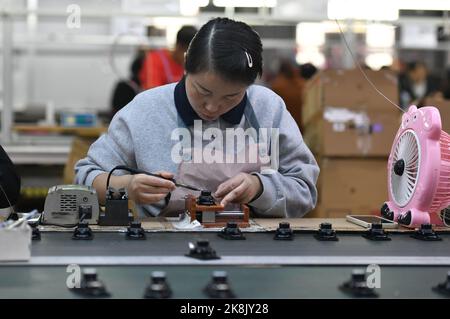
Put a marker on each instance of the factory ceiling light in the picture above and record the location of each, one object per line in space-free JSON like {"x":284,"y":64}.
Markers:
{"x":381,"y":10}
{"x":310,"y":34}
{"x":245,"y":3}
{"x":191,"y":7}
{"x":380,"y":36}
{"x":423,"y":5}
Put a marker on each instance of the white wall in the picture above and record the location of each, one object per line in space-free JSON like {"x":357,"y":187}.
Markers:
{"x":69,"y":67}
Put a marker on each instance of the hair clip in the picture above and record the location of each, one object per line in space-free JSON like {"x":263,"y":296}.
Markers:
{"x":249,"y":59}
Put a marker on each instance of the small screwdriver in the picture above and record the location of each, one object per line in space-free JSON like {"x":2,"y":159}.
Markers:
{"x":138,"y":171}
{"x":175,"y":182}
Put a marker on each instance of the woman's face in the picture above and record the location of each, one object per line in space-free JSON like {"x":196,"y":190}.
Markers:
{"x":211,"y":96}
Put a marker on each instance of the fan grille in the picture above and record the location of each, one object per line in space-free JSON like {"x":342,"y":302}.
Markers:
{"x":403,"y":185}
{"x":442,"y":195}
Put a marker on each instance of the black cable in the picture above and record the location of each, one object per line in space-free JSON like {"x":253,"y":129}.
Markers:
{"x":125,"y":168}
{"x":341,"y":33}
{"x":110,"y":173}
{"x":40,"y":222}
{"x":139,"y":171}
{"x":13,"y":212}
{"x":134,"y":171}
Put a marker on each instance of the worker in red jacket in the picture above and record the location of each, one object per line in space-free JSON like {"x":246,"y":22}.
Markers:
{"x":164,"y":66}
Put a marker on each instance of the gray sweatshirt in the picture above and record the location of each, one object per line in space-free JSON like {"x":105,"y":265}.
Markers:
{"x":139,"y":136}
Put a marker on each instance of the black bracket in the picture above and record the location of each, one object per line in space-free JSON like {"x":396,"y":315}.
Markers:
{"x":135,"y":231}
{"x":284,"y":232}
{"x":231,"y":232}
{"x":205,"y":198}
{"x":90,"y":286}
{"x":219,"y":287}
{"x":376,"y":232}
{"x":326,"y":233}
{"x":83,"y":232}
{"x":426,"y":233}
{"x":443,"y":288}
{"x":357,"y":286}
{"x":202,"y":250}
{"x":159,"y":287}
{"x":116,"y":209}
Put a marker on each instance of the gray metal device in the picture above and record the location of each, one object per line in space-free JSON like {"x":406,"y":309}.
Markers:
{"x":66,"y":204}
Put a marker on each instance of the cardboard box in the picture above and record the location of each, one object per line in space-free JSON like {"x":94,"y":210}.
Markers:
{"x":444,"y":109}
{"x":323,"y":211}
{"x":328,"y":136}
{"x":348,"y":89}
{"x":357,"y":186}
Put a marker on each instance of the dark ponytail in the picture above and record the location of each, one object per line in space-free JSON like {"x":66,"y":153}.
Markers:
{"x":232,"y":49}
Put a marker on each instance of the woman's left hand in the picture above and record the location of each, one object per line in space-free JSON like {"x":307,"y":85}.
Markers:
{"x":242,"y":189}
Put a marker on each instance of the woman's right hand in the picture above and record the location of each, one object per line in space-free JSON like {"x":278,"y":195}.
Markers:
{"x":145,"y":189}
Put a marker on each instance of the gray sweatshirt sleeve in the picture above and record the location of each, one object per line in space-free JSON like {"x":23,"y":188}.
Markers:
{"x":290,"y":191}
{"x":111,"y":149}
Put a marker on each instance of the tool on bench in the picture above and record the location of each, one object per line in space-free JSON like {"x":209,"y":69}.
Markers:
{"x":211,"y":214}
{"x":139,"y":171}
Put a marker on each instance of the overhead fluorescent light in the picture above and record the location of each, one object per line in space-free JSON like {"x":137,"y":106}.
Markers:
{"x":311,"y":55}
{"x":245,"y":3}
{"x":310,"y":34}
{"x":423,"y":4}
{"x":380,"y":36}
{"x":376,"y":61}
{"x":381,"y":10}
{"x":191,"y":7}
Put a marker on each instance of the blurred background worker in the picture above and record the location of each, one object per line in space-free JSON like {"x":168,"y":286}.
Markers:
{"x":446,"y":85}
{"x":289,"y":85}
{"x":126,"y":89}
{"x":416,"y":84}
{"x":307,"y":71}
{"x":164,"y":66}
